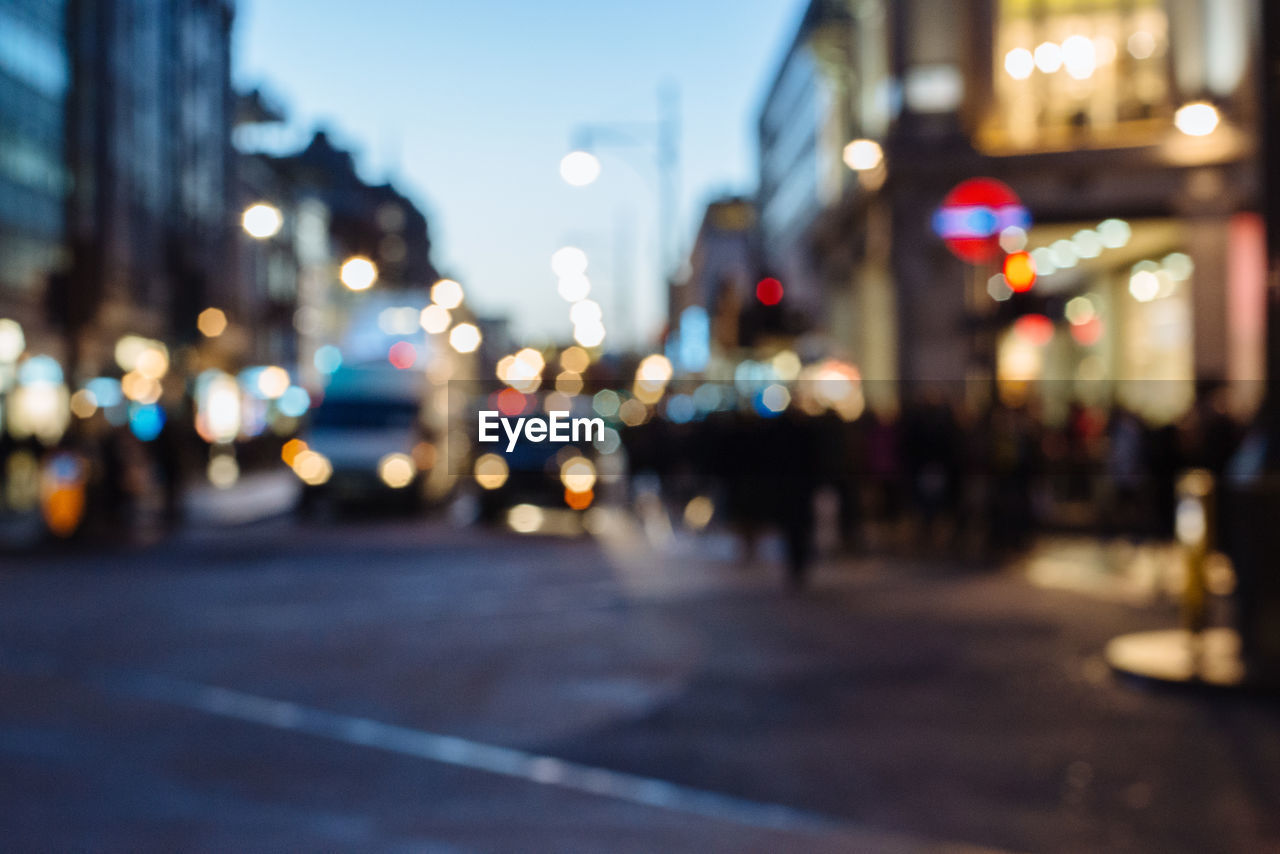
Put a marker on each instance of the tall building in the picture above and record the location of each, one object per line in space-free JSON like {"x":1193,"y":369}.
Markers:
{"x":35,"y":75}
{"x":150,"y":154}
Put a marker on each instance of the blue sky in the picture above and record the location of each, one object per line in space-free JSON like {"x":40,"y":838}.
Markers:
{"x":468,"y":105}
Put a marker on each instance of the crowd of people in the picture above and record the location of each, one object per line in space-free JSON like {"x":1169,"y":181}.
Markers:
{"x":934,"y":476}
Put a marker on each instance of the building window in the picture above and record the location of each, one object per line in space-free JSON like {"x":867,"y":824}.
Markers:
{"x":1073,"y":72}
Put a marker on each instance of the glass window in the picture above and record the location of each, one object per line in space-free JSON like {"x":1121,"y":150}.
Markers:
{"x":1080,"y":71}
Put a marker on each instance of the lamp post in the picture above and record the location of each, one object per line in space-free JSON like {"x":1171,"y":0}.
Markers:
{"x":580,"y":167}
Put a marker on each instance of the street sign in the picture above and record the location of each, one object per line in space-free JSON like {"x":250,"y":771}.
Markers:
{"x":973,"y":215}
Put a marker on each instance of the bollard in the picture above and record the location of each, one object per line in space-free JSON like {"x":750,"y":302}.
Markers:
{"x":1194,"y":527}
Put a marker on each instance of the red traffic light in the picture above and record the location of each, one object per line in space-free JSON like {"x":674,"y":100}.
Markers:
{"x":769,"y":291}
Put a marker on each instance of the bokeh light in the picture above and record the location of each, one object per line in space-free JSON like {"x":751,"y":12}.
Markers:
{"x":1199,"y":118}
{"x":262,"y":221}
{"x":396,"y":470}
{"x":491,"y":471}
{"x":447,"y":294}
{"x":358,"y":273}
{"x":211,"y":322}
{"x":569,"y":261}
{"x":574,"y":287}
{"x":12,"y":340}
{"x":1019,"y":272}
{"x":769,"y":291}
{"x":862,"y":155}
{"x":1019,"y":63}
{"x":327,"y":359}
{"x":273,"y":381}
{"x":434,"y":319}
{"x":579,"y":168}
{"x":402,"y":355}
{"x":464,"y":338}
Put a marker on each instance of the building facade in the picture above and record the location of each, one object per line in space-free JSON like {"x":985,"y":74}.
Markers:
{"x":149,"y":149}
{"x":35,"y":78}
{"x":1128,"y":131}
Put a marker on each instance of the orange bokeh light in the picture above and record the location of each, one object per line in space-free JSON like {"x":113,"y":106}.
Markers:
{"x":579,"y":500}
{"x":1019,"y":271}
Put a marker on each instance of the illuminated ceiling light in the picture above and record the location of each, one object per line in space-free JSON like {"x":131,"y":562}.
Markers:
{"x":1179,"y":266}
{"x":1043,"y":258}
{"x":1141,"y":44}
{"x":1019,"y":63}
{"x":1064,"y":254}
{"x":1079,"y":57}
{"x":1114,"y":233}
{"x":1144,"y":285}
{"x":1197,"y":119}
{"x":579,"y":168}
{"x":1048,"y":57}
{"x":1104,"y":47}
{"x":1086,"y":243}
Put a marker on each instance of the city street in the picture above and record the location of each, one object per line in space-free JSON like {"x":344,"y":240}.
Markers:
{"x":406,"y":685}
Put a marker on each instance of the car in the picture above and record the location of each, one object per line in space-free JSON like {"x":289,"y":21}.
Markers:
{"x":372,"y":428}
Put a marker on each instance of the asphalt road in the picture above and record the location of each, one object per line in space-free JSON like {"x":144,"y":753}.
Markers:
{"x":405,"y":686}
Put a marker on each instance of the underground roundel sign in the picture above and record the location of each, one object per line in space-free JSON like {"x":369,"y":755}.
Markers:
{"x":973,"y":215}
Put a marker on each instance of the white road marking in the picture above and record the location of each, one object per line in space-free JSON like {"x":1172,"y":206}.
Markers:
{"x":474,"y":755}
{"x":461,"y":752}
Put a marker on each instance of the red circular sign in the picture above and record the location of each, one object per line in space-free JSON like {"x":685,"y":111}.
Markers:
{"x":973,"y":215}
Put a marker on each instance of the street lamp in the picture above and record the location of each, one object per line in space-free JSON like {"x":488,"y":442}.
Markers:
{"x":358,"y":273}
{"x":262,"y":221}
{"x":581,"y":167}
